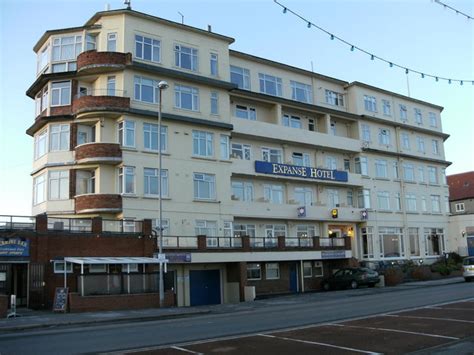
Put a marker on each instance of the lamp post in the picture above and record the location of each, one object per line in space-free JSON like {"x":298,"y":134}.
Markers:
{"x":162,"y":85}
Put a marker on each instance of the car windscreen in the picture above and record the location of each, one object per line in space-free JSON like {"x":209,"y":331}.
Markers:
{"x":468,"y":261}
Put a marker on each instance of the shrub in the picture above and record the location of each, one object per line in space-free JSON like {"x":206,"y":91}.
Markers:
{"x":393,"y":276}
{"x":421,"y":273}
{"x":441,"y":267}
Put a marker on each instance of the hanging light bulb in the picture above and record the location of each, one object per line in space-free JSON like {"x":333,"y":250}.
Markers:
{"x":352,"y":48}
{"x":284,"y":10}
{"x":309,"y":24}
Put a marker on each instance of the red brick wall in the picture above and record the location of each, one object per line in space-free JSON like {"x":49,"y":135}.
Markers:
{"x":264,"y":286}
{"x":94,"y":150}
{"x":60,"y":110}
{"x":91,"y":102}
{"x":93,"y":58}
{"x":93,"y":201}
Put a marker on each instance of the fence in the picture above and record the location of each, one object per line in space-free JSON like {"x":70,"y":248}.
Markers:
{"x":115,"y":284}
{"x":121,"y":226}
{"x":72,"y":225}
{"x":17,"y":223}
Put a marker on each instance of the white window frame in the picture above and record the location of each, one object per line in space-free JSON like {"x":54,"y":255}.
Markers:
{"x":433,"y":119}
{"x":61,"y":92}
{"x":292,"y":121}
{"x":435,"y":146}
{"x":214,"y":101}
{"x":140,"y":83}
{"x":307,"y":266}
{"x":59,"y":137}
{"x":241,"y":151}
{"x":405,"y":140}
{"x":370,"y":103}
{"x":383,"y":200}
{"x":41,"y":144}
{"x":58,"y":267}
{"x":97,"y":268}
{"x":210,"y":180}
{"x":408,"y":172}
{"x":243,"y":73}
{"x":180,"y":90}
{"x":254,"y":267}
{"x":274,"y":193}
{"x":150,"y":177}
{"x":225,"y":147}
{"x":384,"y":136}
{"x":203,"y":144}
{"x":272,"y":267}
{"x":334,"y":98}
{"x":381,"y":168}
{"x":387,"y":108}
{"x":112,"y":42}
{"x":432,"y":175}
{"x":181,"y":51}
{"x":304,"y":196}
{"x":125,"y":128}
{"x":39,"y":189}
{"x":246,"y":112}
{"x":365,"y":133}
{"x":403,"y":113}
{"x":268,"y":155}
{"x":125,"y":173}
{"x":363,"y":198}
{"x":435,"y":203}
{"x":214,"y":64}
{"x":301,"y":92}
{"x":362,"y":165}
{"x":410,"y":202}
{"x":60,"y":189}
{"x":267,"y":82}
{"x":418,"y":116}
{"x":242,"y":191}
{"x":459,"y":207}
{"x":150,"y":136}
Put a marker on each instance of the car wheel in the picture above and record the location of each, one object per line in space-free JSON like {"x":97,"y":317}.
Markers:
{"x":468,"y":279}
{"x":326,"y":286}
{"x":371,"y":285}
{"x":354,"y":284}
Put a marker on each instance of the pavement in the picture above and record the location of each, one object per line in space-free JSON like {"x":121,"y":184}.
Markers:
{"x":30,"y":319}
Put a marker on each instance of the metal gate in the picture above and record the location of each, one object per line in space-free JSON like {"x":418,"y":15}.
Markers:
{"x":205,"y":287}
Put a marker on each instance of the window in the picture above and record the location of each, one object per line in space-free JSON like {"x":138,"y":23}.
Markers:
{"x":203,"y":144}
{"x":311,"y":126}
{"x":151,"y":186}
{"x":85,"y":182}
{"x":41,"y":144}
{"x":129,"y":267}
{"x":367,"y":242}
{"x":383,"y":200}
{"x":331,"y":163}
{"x":405,"y":141}
{"x":271,"y":155}
{"x":301,"y":159}
{"x":186,"y":97}
{"x":362,"y":166}
{"x":433,"y":119}
{"x":459,"y":207}
{"x":270,"y":84}
{"x":365,"y":132}
{"x":246,"y":112}
{"x":59,"y":267}
{"x":126,"y":133}
{"x":65,"y":50}
{"x":305,"y":234}
{"x":333,"y":197}
{"x":208,"y":228}
{"x":272,"y":271}
{"x":414,"y":239}
{"x":242,"y":191}
{"x":434,"y":241}
{"x":291,"y":121}
{"x":421,"y":174}
{"x":59,"y":137}
{"x":214,"y":103}
{"x":150,"y":137}
{"x":204,"y":186}
{"x":347,"y":165}
{"x":186,"y":57}
{"x":370,"y":103}
{"x":301,"y":92}
{"x":273,"y":193}
{"x":350,"y":198}
{"x":165,"y":225}
{"x":408,"y":172}
{"x":410,"y":201}
{"x":39,"y":189}
{"x":111,"y":42}
{"x":418,"y":116}
{"x":146,"y":90}
{"x":304,"y":196}
{"x":244,"y":230}
{"x":42,"y":60}
{"x":61,"y":93}
{"x":97,"y":268}
{"x":432,"y":175}
{"x":41,"y":101}
{"x":434,"y":147}
{"x":396,"y":174}
{"x":391,"y":242}
{"x":241,"y":151}
{"x":334,"y":98}
{"x":381,"y":169}
{"x":240,"y":77}
{"x":398,"y":201}
{"x":446,"y":204}
{"x":364,"y":198}
{"x":403,"y":113}
{"x":384,"y":136}
{"x":424,"y":207}
{"x":90,"y":42}
{"x":58,"y":185}
{"x":387,"y":109}
{"x":111,"y":86}
{"x":333,"y":129}
{"x":420,"y":142}
{"x":213,"y":64}
{"x":224,"y":143}
{"x":443,"y":176}
{"x":435,"y":204}
{"x":254,"y":271}
{"x":127,"y":180}
{"x":307,"y":269}
{"x":318,"y":268}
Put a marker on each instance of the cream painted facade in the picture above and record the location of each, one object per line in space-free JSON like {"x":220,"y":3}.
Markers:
{"x":392,"y":206}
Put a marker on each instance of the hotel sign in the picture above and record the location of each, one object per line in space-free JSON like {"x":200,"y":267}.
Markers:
{"x":14,"y":247}
{"x":300,"y":171}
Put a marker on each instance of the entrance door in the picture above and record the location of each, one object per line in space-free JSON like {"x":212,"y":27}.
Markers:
{"x":293,"y":278}
{"x":13,"y":281}
{"x":470,"y":246}
{"x":205,"y":287}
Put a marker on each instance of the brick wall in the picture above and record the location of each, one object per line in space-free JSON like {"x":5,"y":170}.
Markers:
{"x":100,"y":102}
{"x":94,"y":150}
{"x":95,"y":201}
{"x":94,"y":58}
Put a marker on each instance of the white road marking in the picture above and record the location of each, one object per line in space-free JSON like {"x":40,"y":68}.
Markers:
{"x":395,"y":331}
{"x":185,"y":350}
{"x":317,"y":343}
{"x":434,"y":318}
{"x":452,"y":309}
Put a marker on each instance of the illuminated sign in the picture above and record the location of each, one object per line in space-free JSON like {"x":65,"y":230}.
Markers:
{"x":300,"y":171}
{"x":14,"y":247}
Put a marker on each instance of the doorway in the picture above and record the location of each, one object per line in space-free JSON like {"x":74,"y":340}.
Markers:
{"x":14,"y":281}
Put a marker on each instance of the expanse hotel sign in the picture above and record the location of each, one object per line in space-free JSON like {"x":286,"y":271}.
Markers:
{"x":300,"y":171}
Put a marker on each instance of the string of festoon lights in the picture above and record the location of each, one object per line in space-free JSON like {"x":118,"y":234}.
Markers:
{"x":453,"y":9}
{"x":371,"y":55}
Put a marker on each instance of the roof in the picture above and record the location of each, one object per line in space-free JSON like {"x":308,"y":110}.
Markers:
{"x":111,"y":260}
{"x":461,"y":186}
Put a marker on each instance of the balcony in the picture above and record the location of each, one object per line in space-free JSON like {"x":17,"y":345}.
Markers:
{"x":93,"y":62}
{"x":98,"y":203}
{"x":101,"y":100}
{"x":105,"y":153}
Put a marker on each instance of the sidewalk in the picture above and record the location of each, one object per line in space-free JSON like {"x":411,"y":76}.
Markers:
{"x":30,"y":319}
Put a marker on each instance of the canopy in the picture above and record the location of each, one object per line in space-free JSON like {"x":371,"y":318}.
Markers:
{"x":111,"y":260}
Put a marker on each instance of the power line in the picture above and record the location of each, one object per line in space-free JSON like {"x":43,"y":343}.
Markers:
{"x":453,"y":9}
{"x":372,"y":56}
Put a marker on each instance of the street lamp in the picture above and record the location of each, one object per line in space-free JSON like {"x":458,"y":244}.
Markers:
{"x":162,"y":85}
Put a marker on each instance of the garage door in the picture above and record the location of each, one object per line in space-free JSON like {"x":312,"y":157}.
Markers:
{"x":205,"y":287}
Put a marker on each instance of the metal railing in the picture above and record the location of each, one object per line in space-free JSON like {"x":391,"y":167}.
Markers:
{"x":263,"y":242}
{"x":121,"y":226}
{"x":299,"y":242}
{"x":224,"y":242}
{"x":332,"y":242}
{"x":17,"y":222}
{"x":73,"y":225}
{"x":102,"y":92}
{"x":183,"y":242}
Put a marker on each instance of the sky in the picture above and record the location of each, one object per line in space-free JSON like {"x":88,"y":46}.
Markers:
{"x":418,"y":34}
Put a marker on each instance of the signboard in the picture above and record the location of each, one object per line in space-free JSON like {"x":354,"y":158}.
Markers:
{"x":14,"y":247}
{"x":300,"y":171}
{"x":60,"y":299}
{"x":301,"y":211}
{"x":364,"y":214}
{"x":333,"y":254}
{"x":177,"y":258}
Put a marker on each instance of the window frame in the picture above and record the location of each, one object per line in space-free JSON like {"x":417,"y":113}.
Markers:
{"x":193,"y":57}
{"x":266,"y":81}
{"x":270,"y":267}
{"x":200,"y":138}
{"x":210,"y":180}
{"x":193,"y":92}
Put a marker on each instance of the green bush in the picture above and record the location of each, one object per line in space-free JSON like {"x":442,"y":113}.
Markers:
{"x":441,"y":267}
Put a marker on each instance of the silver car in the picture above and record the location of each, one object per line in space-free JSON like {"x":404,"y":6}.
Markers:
{"x":468,"y":268}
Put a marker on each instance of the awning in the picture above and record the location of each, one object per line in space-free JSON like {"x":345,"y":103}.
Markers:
{"x":111,"y":260}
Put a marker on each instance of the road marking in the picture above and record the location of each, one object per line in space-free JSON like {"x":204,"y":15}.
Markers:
{"x":433,"y":318}
{"x":185,"y":350}
{"x":452,"y":309}
{"x":316,"y":343}
{"x":395,"y":331}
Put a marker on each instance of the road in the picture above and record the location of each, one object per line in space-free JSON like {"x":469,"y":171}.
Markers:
{"x":278,"y":313}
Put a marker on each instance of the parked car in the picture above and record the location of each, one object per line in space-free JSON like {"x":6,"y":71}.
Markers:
{"x":468,"y":268}
{"x":351,"y":278}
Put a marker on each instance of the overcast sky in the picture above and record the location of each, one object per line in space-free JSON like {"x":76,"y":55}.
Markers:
{"x":418,"y":34}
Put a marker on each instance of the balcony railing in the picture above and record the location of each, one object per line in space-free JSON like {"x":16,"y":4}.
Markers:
{"x":72,"y":225}
{"x":17,"y":223}
{"x":331,"y":242}
{"x":102,"y":92}
{"x":121,"y":226}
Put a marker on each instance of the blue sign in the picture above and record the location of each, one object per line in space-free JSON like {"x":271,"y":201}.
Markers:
{"x":301,"y":211}
{"x":333,"y":254}
{"x":14,"y":247}
{"x":300,"y":171}
{"x":177,"y":258}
